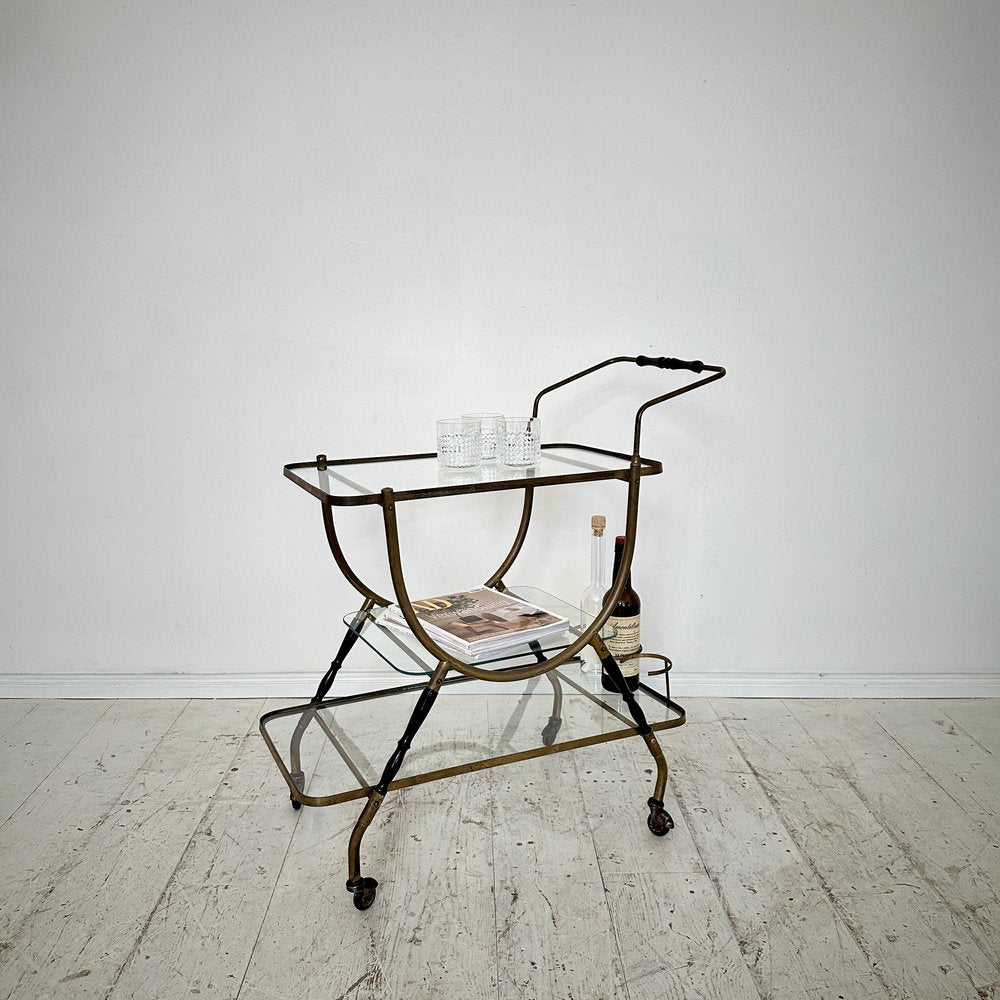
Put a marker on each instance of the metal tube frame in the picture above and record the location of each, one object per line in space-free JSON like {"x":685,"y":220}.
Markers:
{"x":364,"y":790}
{"x":659,"y":821}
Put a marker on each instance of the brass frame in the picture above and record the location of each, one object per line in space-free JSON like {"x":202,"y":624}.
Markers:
{"x":659,"y":821}
{"x":364,"y":789}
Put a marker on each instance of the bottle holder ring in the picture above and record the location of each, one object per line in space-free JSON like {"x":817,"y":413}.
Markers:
{"x":665,"y":670}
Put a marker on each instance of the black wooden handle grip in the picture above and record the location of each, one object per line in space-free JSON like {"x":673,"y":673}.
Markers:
{"x":692,"y":366}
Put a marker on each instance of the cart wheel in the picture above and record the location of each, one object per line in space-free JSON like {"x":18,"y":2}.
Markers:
{"x":659,"y":821}
{"x":365,"y":896}
{"x":295,"y":803}
{"x":551,"y":730}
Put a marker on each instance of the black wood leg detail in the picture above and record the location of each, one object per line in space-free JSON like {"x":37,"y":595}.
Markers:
{"x":612,"y":669}
{"x":395,"y":762}
{"x":338,"y":661}
{"x":295,"y":747}
{"x":659,"y":820}
{"x":363,"y":888}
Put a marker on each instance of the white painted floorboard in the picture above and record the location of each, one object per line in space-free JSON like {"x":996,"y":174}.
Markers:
{"x":823,"y":850}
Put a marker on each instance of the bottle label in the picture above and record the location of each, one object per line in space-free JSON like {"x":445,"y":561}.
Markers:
{"x":625,"y":641}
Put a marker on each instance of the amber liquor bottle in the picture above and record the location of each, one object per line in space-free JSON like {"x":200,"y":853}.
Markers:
{"x":624,"y":622}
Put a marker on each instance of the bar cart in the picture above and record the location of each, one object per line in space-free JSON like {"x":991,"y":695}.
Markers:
{"x":326,"y":721}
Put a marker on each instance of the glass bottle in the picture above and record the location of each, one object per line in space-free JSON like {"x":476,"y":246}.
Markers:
{"x":592,"y":599}
{"x":624,"y":621}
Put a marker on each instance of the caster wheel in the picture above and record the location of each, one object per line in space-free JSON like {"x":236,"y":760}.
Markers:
{"x":365,"y":896}
{"x":550,"y":731}
{"x":295,"y":804}
{"x":659,"y":821}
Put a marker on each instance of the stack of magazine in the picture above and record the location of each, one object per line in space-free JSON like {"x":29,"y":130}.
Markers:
{"x":477,"y":623}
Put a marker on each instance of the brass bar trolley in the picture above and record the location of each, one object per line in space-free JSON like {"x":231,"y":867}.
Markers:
{"x":326,"y":721}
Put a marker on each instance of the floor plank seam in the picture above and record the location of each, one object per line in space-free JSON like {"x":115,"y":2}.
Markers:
{"x":919,"y":765}
{"x":838,"y":910}
{"x":689,"y":821}
{"x":927,"y":884}
{"x":968,"y":732}
{"x":11,"y":724}
{"x":153,"y":909}
{"x":967,"y":920}
{"x":619,"y":951}
{"x":491,"y":785}
{"x":63,"y":870}
{"x":58,"y":763}
{"x":982,"y":746}
{"x":274,"y":887}
{"x":180,"y":859}
{"x":961,"y":913}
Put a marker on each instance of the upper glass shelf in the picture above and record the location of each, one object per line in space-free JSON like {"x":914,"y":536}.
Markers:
{"x":350,"y":482}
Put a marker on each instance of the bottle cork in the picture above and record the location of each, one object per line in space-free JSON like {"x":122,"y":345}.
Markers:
{"x":597,"y":524}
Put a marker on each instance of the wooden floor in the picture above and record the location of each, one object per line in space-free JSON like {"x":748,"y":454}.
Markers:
{"x":822,"y":849}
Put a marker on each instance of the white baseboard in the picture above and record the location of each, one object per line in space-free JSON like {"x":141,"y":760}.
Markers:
{"x":302,"y":685}
{"x":284,"y":685}
{"x":840,"y":685}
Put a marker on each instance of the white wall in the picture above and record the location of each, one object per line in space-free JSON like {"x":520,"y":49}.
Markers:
{"x":234,"y":235}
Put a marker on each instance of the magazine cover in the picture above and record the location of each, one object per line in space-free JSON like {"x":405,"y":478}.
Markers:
{"x":480,"y":618}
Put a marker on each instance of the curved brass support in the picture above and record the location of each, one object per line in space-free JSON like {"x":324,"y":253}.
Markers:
{"x":338,"y":554}
{"x":662,"y":771}
{"x":531,"y":669}
{"x":357,"y":834}
{"x":557,"y":695}
{"x":522,"y":532}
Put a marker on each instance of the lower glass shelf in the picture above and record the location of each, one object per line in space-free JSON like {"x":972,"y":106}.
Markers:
{"x":406,"y":656}
{"x":335,"y":750}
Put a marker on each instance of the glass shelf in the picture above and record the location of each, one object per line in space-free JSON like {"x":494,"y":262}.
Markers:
{"x":343,"y":749}
{"x":406,"y":656}
{"x":350,"y":482}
